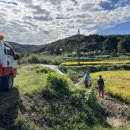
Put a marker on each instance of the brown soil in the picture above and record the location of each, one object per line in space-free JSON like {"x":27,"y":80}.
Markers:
{"x":118,"y":113}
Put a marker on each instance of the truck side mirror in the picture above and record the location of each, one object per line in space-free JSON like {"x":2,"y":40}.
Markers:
{"x":16,"y":57}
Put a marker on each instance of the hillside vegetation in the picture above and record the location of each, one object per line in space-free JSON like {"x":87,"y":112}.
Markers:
{"x":19,"y":48}
{"x":100,"y":57}
{"x":43,"y":99}
{"x":93,"y":43}
{"x":96,"y":44}
{"x":40,"y":59}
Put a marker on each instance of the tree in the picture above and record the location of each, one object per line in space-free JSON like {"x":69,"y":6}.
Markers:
{"x":109,"y":45}
{"x":57,"y":51}
{"x":121,"y":46}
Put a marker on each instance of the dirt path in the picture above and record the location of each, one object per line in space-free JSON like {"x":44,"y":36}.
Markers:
{"x":117,"y":112}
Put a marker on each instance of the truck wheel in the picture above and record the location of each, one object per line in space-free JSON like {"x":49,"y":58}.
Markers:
{"x":7,"y":83}
{"x":10,"y":80}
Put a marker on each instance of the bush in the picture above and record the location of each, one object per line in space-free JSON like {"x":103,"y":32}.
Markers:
{"x":41,"y":59}
{"x":77,"y":109}
{"x":57,"y":85}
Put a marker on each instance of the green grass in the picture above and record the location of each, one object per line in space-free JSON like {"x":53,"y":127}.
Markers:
{"x":43,"y":99}
{"x":40,"y":59}
{"x":9,"y":103}
{"x":30,"y":79}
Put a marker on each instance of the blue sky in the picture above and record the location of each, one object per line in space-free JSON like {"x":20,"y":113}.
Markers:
{"x":113,"y":4}
{"x":123,"y":28}
{"x":118,"y":28}
{"x":44,"y":21}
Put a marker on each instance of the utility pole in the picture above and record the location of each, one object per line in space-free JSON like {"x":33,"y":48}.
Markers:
{"x":78,"y":49}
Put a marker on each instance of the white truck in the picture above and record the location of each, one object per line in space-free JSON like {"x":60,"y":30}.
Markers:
{"x":8,"y":65}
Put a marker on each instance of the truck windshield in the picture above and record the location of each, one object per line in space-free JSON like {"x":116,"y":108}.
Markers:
{"x":8,"y":51}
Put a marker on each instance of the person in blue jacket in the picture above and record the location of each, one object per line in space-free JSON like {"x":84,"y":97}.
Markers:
{"x":86,"y":79}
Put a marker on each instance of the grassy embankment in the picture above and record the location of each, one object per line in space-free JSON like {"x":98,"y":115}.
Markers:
{"x":42,"y":101}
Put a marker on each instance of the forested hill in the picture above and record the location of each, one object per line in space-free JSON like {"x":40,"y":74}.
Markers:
{"x":93,"y":43}
{"x":19,"y":48}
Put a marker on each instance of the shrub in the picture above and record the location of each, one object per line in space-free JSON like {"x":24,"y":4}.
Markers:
{"x":57,"y":85}
{"x":77,"y":109}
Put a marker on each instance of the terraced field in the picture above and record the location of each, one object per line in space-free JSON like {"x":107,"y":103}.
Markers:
{"x":117,"y":83}
{"x":98,"y":62}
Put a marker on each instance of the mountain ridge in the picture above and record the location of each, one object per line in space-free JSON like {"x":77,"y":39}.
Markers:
{"x":95,"y":42}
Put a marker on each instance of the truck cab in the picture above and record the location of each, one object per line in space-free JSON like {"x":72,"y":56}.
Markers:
{"x":8,"y":65}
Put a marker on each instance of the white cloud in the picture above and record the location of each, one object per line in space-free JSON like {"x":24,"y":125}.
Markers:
{"x":43,"y":21}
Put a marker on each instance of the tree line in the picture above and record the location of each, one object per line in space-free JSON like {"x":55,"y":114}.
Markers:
{"x":93,"y":43}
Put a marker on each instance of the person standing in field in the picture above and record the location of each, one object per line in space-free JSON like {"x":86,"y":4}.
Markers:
{"x":86,"y":79}
{"x":101,"y":86}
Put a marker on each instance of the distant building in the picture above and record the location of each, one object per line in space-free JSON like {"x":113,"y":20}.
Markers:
{"x":45,"y":53}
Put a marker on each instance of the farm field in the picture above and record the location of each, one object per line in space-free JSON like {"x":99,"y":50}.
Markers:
{"x":98,"y":62}
{"x":117,"y":83}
